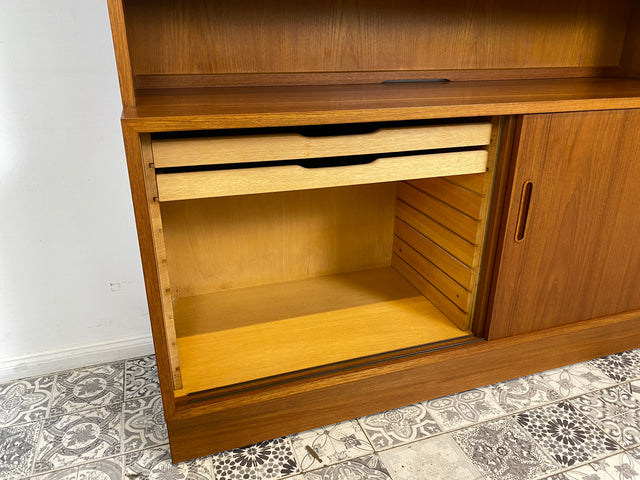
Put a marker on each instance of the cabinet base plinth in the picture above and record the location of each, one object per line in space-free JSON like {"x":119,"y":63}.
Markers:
{"x":203,"y":428}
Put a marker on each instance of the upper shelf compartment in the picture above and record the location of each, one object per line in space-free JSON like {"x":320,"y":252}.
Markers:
{"x":236,"y":57}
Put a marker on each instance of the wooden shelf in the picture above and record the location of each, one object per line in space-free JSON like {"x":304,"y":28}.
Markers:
{"x":239,"y":107}
{"x":260,"y":332}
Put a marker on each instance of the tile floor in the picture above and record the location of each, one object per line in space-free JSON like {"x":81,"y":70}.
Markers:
{"x":105,"y":423}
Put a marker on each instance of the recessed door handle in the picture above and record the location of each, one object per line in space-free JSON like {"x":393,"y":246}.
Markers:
{"x":523,"y":211}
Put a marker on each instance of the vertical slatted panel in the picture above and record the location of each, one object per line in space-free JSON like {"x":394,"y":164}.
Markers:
{"x":440,"y":228}
{"x":161,"y":260}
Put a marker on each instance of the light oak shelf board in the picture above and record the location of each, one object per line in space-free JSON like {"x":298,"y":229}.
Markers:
{"x":219,"y":356}
{"x":240,"y":107}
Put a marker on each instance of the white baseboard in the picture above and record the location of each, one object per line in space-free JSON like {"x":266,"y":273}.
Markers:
{"x":13,"y":368}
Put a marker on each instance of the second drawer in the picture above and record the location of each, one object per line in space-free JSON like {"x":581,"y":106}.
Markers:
{"x":244,"y":181}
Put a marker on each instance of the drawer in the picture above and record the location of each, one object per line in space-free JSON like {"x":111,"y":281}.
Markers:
{"x":216,"y":150}
{"x":280,"y":178}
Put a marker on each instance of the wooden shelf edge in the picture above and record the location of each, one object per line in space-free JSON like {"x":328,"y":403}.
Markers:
{"x":247,"y":107}
{"x":258,"y":417}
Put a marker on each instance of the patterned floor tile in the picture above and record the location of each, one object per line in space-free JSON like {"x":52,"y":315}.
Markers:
{"x":585,"y":472}
{"x":144,"y":424}
{"x":621,"y":366}
{"x":616,"y":410}
{"x":25,"y":400}
{"x":331,"y":444}
{"x":66,"y":474}
{"x":79,"y":438}
{"x":268,"y":460}
{"x":363,"y":468}
{"x":108,"y":469}
{"x":141,"y":379}
{"x":577,"y":379}
{"x":399,"y":426}
{"x":79,"y":390}
{"x":155,"y":464}
{"x":436,"y":458}
{"x":566,"y":434}
{"x":523,"y":393}
{"x":621,"y":466}
{"x":17,"y":450}
{"x":463,"y":409}
{"x":502,"y":450}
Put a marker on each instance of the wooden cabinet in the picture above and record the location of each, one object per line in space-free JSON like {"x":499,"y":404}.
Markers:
{"x":328,"y":199}
{"x":570,"y":249}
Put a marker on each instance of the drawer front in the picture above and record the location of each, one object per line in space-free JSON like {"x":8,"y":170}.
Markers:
{"x":221,"y":183}
{"x":182,"y":152}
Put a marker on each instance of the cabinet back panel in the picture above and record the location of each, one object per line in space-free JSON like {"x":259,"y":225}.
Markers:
{"x":169,"y":37}
{"x":224,"y":243}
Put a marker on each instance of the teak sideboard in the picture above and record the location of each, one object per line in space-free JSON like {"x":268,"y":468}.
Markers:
{"x":346,"y":206}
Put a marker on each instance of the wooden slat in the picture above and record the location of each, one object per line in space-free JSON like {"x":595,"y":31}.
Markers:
{"x":459,"y":198}
{"x":445,"y":238}
{"x":442,"y":213}
{"x":221,"y":183}
{"x":291,"y":146}
{"x":436,"y":277}
{"x":474,"y":182}
{"x":442,"y":303}
{"x":161,"y":261}
{"x":460,"y":272}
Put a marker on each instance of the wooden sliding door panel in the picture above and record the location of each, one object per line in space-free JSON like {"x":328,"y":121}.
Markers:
{"x":570,"y":248}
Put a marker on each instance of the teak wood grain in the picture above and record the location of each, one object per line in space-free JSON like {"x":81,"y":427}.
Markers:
{"x":253,"y":36}
{"x":238,"y":64}
{"x":579,"y":257}
{"x":281,"y":411}
{"x":245,"y":107}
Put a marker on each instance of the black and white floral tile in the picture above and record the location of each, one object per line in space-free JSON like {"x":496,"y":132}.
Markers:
{"x":579,"y":422}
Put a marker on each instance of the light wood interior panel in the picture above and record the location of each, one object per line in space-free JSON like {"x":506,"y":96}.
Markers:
{"x":267,"y":303}
{"x":214,"y":150}
{"x":441,"y":212}
{"x":234,"y":242}
{"x":440,"y":230}
{"x":264,"y":349}
{"x":222,"y":183}
{"x":253,"y":36}
{"x":161,"y":261}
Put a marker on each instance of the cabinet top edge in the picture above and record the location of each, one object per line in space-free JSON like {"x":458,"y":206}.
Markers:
{"x":248,"y":107}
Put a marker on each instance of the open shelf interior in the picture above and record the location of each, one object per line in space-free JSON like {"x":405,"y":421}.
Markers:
{"x":194,"y":63}
{"x":277,"y":329}
{"x":266,"y":285}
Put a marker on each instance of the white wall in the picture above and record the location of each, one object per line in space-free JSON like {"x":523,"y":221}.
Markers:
{"x":71,"y":288}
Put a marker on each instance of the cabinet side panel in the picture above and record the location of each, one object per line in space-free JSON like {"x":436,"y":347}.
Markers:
{"x":121,"y":47}
{"x":161,"y":260}
{"x":149,"y":266}
{"x":576,"y":256}
{"x":630,"y":62}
